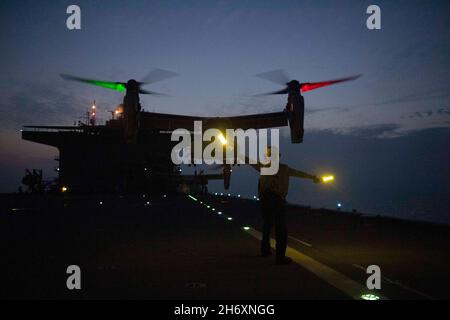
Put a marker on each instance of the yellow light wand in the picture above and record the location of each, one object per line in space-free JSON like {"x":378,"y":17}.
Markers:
{"x":327,"y":179}
{"x":222,"y":139}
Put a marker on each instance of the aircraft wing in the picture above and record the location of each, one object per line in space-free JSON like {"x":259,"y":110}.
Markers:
{"x":169,"y":122}
{"x":206,"y":176}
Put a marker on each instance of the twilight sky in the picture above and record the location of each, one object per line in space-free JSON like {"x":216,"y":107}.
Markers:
{"x":385,"y":136}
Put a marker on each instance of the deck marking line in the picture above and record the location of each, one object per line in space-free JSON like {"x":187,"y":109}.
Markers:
{"x":397,"y":283}
{"x":300,"y":241}
{"x":329,"y":275}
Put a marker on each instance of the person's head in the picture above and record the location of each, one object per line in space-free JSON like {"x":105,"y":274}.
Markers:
{"x":272,"y":161}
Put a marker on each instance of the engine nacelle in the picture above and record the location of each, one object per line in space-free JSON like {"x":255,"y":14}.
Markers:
{"x":296,"y":115}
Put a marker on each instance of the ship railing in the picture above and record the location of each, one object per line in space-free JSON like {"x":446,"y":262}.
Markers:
{"x":79,"y":129}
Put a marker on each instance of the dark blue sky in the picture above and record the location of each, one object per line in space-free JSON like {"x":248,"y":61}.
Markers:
{"x":386,"y":135}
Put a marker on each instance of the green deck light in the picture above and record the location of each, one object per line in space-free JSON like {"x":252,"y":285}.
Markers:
{"x":370,"y":296}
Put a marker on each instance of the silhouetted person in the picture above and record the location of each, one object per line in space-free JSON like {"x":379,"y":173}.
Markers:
{"x":226,"y":176}
{"x":272,"y":190}
{"x":202,"y":182}
{"x":30,"y":181}
{"x":37,"y":178}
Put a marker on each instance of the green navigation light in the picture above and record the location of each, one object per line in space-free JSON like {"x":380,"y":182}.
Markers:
{"x":110,"y":85}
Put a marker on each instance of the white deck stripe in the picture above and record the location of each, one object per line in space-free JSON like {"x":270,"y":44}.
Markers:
{"x":329,"y":275}
{"x":302,"y":242}
{"x":397,"y":283}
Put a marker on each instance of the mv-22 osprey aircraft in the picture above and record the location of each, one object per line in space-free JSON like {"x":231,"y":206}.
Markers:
{"x":134,"y":120}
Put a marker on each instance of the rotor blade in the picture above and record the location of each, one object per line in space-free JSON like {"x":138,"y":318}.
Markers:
{"x":142,"y":91}
{"x":315,"y":85}
{"x":118,"y":86}
{"x":158,"y":75}
{"x":277,"y":76}
{"x":282,"y":91}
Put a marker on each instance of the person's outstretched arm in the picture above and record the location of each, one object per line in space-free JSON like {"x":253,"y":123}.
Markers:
{"x":300,"y":174}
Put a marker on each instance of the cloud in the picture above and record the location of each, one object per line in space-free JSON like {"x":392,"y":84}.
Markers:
{"x":48,"y":103}
{"x":443,"y":112}
{"x":373,"y":131}
{"x":401,"y":120}
{"x":37,"y":103}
